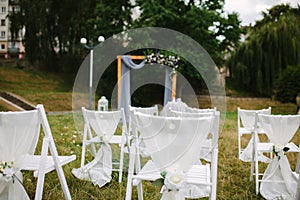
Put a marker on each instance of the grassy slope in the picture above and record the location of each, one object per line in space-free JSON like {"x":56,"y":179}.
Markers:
{"x":36,"y":87}
{"x":233,"y":175}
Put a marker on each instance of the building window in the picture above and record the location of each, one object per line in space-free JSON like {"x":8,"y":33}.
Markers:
{"x":2,"y":46}
{"x":3,"y":9}
{"x":2,"y":34}
{"x":2,"y":22}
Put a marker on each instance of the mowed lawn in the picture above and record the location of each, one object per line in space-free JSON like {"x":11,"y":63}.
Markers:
{"x":233,"y":174}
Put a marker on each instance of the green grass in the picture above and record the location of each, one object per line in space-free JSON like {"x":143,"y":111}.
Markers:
{"x":233,"y":174}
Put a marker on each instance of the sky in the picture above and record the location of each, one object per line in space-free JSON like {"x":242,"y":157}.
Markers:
{"x":250,"y":10}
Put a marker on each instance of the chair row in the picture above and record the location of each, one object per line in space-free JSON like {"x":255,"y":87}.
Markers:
{"x":174,"y":144}
{"x":278,"y":180}
{"x":100,"y":128}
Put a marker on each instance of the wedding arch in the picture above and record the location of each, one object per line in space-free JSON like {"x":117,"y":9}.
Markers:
{"x":124,"y":65}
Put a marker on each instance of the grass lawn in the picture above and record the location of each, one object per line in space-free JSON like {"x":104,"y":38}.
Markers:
{"x":233,"y":174}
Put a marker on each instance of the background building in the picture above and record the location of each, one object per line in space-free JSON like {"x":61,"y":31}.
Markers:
{"x":10,"y":47}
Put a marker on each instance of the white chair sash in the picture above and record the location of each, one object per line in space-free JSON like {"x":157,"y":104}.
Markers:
{"x":99,"y":170}
{"x":278,"y":181}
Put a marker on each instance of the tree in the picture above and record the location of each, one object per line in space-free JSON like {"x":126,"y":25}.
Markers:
{"x":272,"y":45}
{"x":204,"y":21}
{"x":54,"y":27}
{"x":288,"y":85}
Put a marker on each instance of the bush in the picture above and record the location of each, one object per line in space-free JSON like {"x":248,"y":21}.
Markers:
{"x":288,"y":84}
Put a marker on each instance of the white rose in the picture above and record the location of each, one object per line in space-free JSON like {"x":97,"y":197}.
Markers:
{"x":175,"y":180}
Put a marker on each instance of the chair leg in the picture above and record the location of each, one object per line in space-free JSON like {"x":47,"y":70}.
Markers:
{"x":214,"y":172}
{"x":41,"y":174}
{"x":83,"y":146}
{"x":130,"y":173}
{"x":121,"y":163}
{"x":239,"y":145}
{"x":140,"y":190}
{"x":256,"y":164}
{"x":253,"y":159}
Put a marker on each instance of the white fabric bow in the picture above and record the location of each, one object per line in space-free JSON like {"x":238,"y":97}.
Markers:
{"x":11,"y":186}
{"x":173,"y":186}
{"x":98,"y":170}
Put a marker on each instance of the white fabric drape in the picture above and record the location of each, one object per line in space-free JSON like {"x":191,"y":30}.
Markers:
{"x":278,"y":181}
{"x":132,"y":125}
{"x":205,"y":153}
{"x":19,"y":133}
{"x":127,"y":65}
{"x":99,"y":170}
{"x":248,"y":120}
{"x":173,"y":144}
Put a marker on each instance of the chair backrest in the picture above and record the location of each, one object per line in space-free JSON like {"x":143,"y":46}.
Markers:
{"x":280,"y":128}
{"x":200,"y":110}
{"x":153,"y":110}
{"x":214,"y":130}
{"x":175,"y":113}
{"x":248,"y":119}
{"x":19,"y":133}
{"x":173,"y":143}
{"x":174,"y":105}
{"x":103,"y":122}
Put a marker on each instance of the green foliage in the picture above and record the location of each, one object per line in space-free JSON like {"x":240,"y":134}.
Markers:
{"x":288,"y":84}
{"x":272,"y":45}
{"x":54,"y":28}
{"x":203,"y":21}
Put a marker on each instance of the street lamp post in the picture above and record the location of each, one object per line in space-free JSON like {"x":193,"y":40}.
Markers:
{"x":91,"y":48}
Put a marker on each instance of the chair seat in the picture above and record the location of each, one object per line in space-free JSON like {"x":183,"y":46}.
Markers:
{"x":198,"y":174}
{"x":116,"y":139}
{"x":32,"y":163}
{"x":267,"y":147}
{"x":243,"y":130}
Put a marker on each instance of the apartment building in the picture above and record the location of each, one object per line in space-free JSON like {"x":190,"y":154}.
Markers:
{"x":9,"y":48}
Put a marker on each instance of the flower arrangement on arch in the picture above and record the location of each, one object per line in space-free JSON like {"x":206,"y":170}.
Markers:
{"x":168,"y":60}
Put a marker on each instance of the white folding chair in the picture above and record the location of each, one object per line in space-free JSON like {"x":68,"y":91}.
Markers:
{"x":212,"y":141}
{"x":100,"y":131}
{"x":19,"y":133}
{"x":246,"y":126}
{"x":278,"y":181}
{"x":173,"y":145}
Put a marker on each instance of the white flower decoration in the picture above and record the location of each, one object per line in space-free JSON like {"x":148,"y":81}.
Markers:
{"x":279,"y":150}
{"x":175,"y":180}
{"x":105,"y":138}
{"x":7,"y":171}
